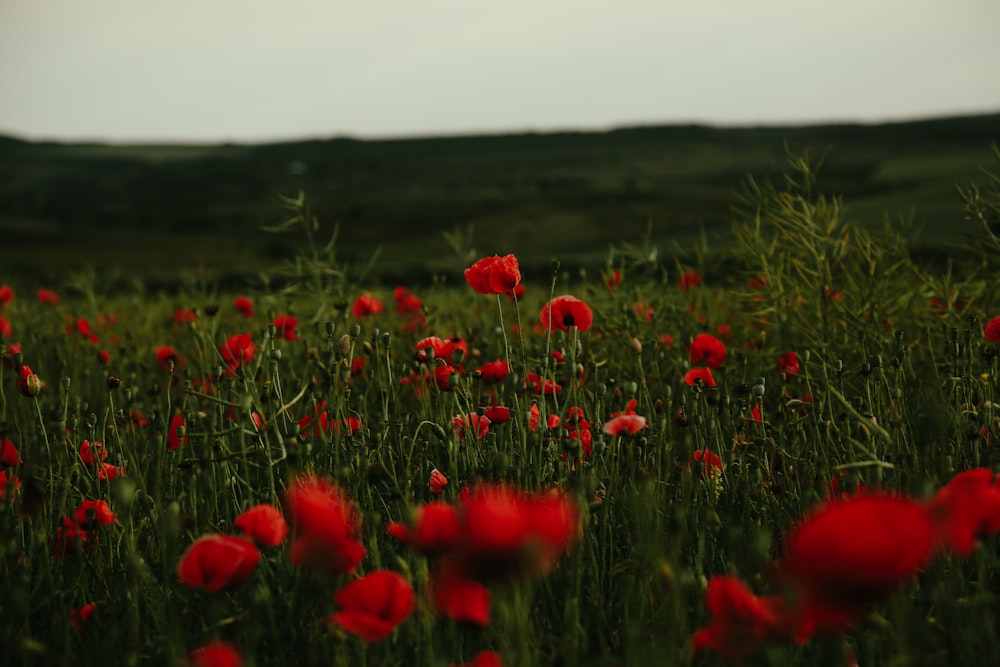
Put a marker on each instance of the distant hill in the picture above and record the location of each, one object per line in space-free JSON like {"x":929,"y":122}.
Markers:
{"x":160,"y":209}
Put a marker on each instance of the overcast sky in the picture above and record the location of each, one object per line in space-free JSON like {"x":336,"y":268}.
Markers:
{"x":251,"y":70}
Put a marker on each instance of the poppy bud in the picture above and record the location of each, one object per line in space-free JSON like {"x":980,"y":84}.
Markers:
{"x":637,"y":345}
{"x":29,"y":384}
{"x":344,"y":345}
{"x":438,"y":482}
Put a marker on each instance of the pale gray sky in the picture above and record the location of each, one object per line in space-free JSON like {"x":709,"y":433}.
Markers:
{"x":250,"y":70}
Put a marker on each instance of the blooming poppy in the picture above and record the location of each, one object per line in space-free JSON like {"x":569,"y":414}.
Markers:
{"x":6,"y":295}
{"x":992,"y":331}
{"x":788,"y":364}
{"x":966,"y":508}
{"x":47,"y":297}
{"x":9,"y":456}
{"x":625,"y":424}
{"x":91,"y":514}
{"x":497,"y":414}
{"x":107,"y":472}
{"x":411,"y":307}
{"x":460,"y":599}
{"x":477,"y":424}
{"x":366,"y":305}
{"x":326,"y":525}
{"x":166,"y":354}
{"x":6,"y":480}
{"x":436,"y":529}
{"x":217,"y":562}
{"x":244,"y":305}
{"x":741,"y":622}
{"x":438,"y":482}
{"x":285,"y":326}
{"x":215,"y":654}
{"x":264,"y":524}
{"x":494,"y":371}
{"x":372,"y":606}
{"x":237,"y":350}
{"x":699,"y":374}
{"x":185,"y":316}
{"x":6,"y":330}
{"x":445,"y":377}
{"x":849,"y":554}
{"x":549,"y":387}
{"x":712,"y":464}
{"x":564,"y":312}
{"x":612,"y":280}
{"x":79,"y":617}
{"x":688,"y":279}
{"x":706,"y":348}
{"x":453,"y":350}
{"x":494,"y":275}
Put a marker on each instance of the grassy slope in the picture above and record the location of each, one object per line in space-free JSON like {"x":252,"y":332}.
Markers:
{"x":156,"y":210}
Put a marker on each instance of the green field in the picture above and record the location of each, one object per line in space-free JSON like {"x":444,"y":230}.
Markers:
{"x":160,"y":211}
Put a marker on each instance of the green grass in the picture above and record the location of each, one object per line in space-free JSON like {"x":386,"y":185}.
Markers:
{"x":895,"y":392}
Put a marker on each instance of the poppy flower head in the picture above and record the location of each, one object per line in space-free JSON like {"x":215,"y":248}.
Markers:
{"x":237,"y":351}
{"x":6,"y":295}
{"x":461,"y":599}
{"x":366,"y":305}
{"x":47,"y":297}
{"x":788,"y":364}
{"x":992,"y":330}
{"x":6,"y":330}
{"x":699,"y":375}
{"x":372,"y":606}
{"x":476,"y":424}
{"x":264,"y":524}
{"x":494,"y":275}
{"x":177,"y":433}
{"x":709,"y":461}
{"x":966,"y":508}
{"x":625,"y":424}
{"x":285,"y":327}
{"x":9,"y":456}
{"x":483,"y":659}
{"x":689,"y":279}
{"x":91,"y":514}
{"x":217,"y":562}
{"x":169,"y":358}
{"x":325,"y":524}
{"x":564,"y":312}
{"x":494,"y":371}
{"x":244,"y":305}
{"x":432,"y":347}
{"x":215,"y":654}
{"x":706,"y":348}
{"x":29,"y":384}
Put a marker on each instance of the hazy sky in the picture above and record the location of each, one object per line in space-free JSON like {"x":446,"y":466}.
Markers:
{"x":212,"y":70}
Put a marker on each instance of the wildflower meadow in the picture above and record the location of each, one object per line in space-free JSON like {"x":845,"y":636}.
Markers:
{"x":778,"y":453}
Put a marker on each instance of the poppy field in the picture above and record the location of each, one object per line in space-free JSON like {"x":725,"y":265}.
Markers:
{"x":786,"y":456}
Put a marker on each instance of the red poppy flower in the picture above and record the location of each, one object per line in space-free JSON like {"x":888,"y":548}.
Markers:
{"x":494,"y":371}
{"x":612,"y":280}
{"x":103,"y":357}
{"x":29,"y":384}
{"x":741,"y":622}
{"x":497,"y":414}
{"x":165,"y":354}
{"x":667,"y":341}
{"x":436,"y":529}
{"x":79,"y":617}
{"x":453,"y":350}
{"x":564,"y":312}
{"x":326,"y":526}
{"x":708,"y":349}
{"x":238,"y":350}
{"x":851,"y":553}
{"x":12,"y":480}
{"x":91,"y":514}
{"x":6,"y":330}
{"x":992,"y":331}
{"x":516,"y":294}
{"x":788,"y":364}
{"x":264,"y":524}
{"x":699,"y":374}
{"x":966,"y":508}
{"x":549,"y":387}
{"x":366,"y":305}
{"x":372,"y":606}
{"x":6,"y":295}
{"x":643,"y":311}
{"x":483,"y":659}
{"x":478,"y":425}
{"x":285,"y":325}
{"x":107,"y":472}
{"x":9,"y":456}
{"x":47,"y":297}
{"x":184,"y":316}
{"x":217,"y":562}
{"x":462,"y":600}
{"x":626,"y":424}
{"x":688,"y":280}
{"x":494,"y":275}
{"x":215,"y":654}
{"x":177,"y":433}
{"x":410,"y":307}
{"x":244,"y":305}
{"x":438,"y":482}
{"x":443,"y":377}
{"x":712,"y":464}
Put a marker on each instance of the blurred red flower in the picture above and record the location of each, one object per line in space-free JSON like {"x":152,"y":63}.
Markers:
{"x":236,"y":351}
{"x":483,"y":659}
{"x":966,"y":508}
{"x":215,"y":654}
{"x":436,"y":529}
{"x":462,"y":600}
{"x":549,"y":387}
{"x":9,"y":456}
{"x":244,"y":305}
{"x":699,"y":374}
{"x":177,"y":432}
{"x":29,"y":384}
{"x":165,"y":354}
{"x":326,"y":525}
{"x":264,"y":524}
{"x":741,"y":622}
{"x":6,"y":295}
{"x":494,"y":275}
{"x":91,"y":514}
{"x":478,"y":425}
{"x":410,"y":307}
{"x":183,"y":316}
{"x":497,"y":414}
{"x":6,"y":330}
{"x":788,"y":364}
{"x":47,"y":297}
{"x":217,"y":562}
{"x":688,"y":279}
{"x":107,"y":472}
{"x":5,"y":480}
{"x":366,"y":305}
{"x":708,"y":349}
{"x":612,"y":280}
{"x":79,"y":617}
{"x":285,"y":325}
{"x":710,"y":462}
{"x":849,"y":554}
{"x":624,"y":424}
{"x":494,"y":371}
{"x":453,"y":351}
{"x":992,"y":331}
{"x":564,"y":312}
{"x":372,"y":606}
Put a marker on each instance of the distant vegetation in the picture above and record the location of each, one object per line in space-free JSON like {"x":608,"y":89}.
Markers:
{"x":155,"y":211}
